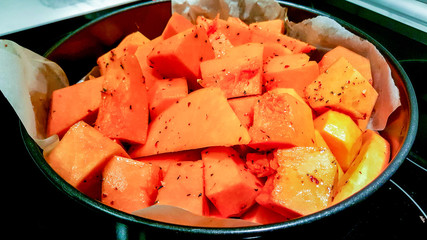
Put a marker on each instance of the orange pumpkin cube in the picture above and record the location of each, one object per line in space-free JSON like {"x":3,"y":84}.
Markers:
{"x":165,"y":92}
{"x":275,"y":25}
{"x":238,"y":73}
{"x":359,"y":62}
{"x":201,"y":119}
{"x":80,"y":157}
{"x":230,"y":186}
{"x":127,"y":46}
{"x":272,"y":49}
{"x":342,"y":135}
{"x":290,"y":71}
{"x":176,"y":24}
{"x":123,"y":111}
{"x":372,"y":159}
{"x":183,"y":187}
{"x":244,"y":109}
{"x":72,"y":104}
{"x":281,"y":120}
{"x":341,"y":87}
{"x":261,"y":35}
{"x":129,"y":185}
{"x":172,"y":57}
{"x":303,"y":183}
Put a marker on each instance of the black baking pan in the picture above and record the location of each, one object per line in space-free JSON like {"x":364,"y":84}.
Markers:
{"x":77,"y":54}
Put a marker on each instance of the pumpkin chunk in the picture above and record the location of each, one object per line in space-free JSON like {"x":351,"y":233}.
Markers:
{"x":344,"y":89}
{"x":81,"y":155}
{"x":183,"y":187}
{"x":236,"y":31}
{"x":202,"y":119}
{"x":260,"y":35}
{"x":359,"y":62}
{"x":176,"y":24}
{"x":238,"y":73}
{"x":129,"y":185}
{"x":141,"y":53}
{"x":281,"y":120}
{"x":341,"y":134}
{"x":128,"y":45}
{"x":275,"y":25}
{"x":123,"y":112}
{"x":230,"y":187}
{"x":72,"y":104}
{"x":303,"y":183}
{"x":165,"y":92}
{"x":163,"y":161}
{"x":290,"y":71}
{"x":272,"y":49}
{"x":369,"y":163}
{"x":171,"y":57}
{"x":244,"y":109}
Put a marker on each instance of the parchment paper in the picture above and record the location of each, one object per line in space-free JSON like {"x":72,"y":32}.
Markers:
{"x":247,"y":10}
{"x":175,"y":215}
{"x":27,"y":81}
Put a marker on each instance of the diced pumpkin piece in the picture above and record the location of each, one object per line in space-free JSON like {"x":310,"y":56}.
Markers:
{"x":290,"y":71}
{"x":320,"y":142}
{"x":202,"y":119}
{"x":176,"y":24}
{"x":360,"y":63}
{"x":262,"y":215}
{"x":363,"y":123}
{"x":127,"y":46}
{"x":281,"y":120}
{"x":123,"y":112}
{"x":129,"y":185}
{"x":206,"y":23}
{"x":344,"y":89}
{"x":164,"y":160}
{"x":72,"y":104}
{"x":272,"y":49}
{"x":237,"y":21}
{"x":165,"y":92}
{"x":260,"y":35}
{"x":238,"y":73}
{"x":275,"y":25}
{"x":244,"y":109}
{"x":372,"y":159}
{"x":172,"y":57}
{"x":236,"y":32}
{"x":287,"y":61}
{"x":220,"y":44}
{"x":219,"y":32}
{"x":393,"y":132}
{"x":141,"y":53}
{"x":183,"y":187}
{"x":342,"y":135}
{"x":261,"y":164}
{"x":80,"y":157}
{"x":303,"y":183}
{"x":289,"y":91}
{"x":230,"y":187}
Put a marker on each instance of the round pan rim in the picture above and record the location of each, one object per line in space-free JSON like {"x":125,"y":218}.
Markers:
{"x":126,"y":218}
